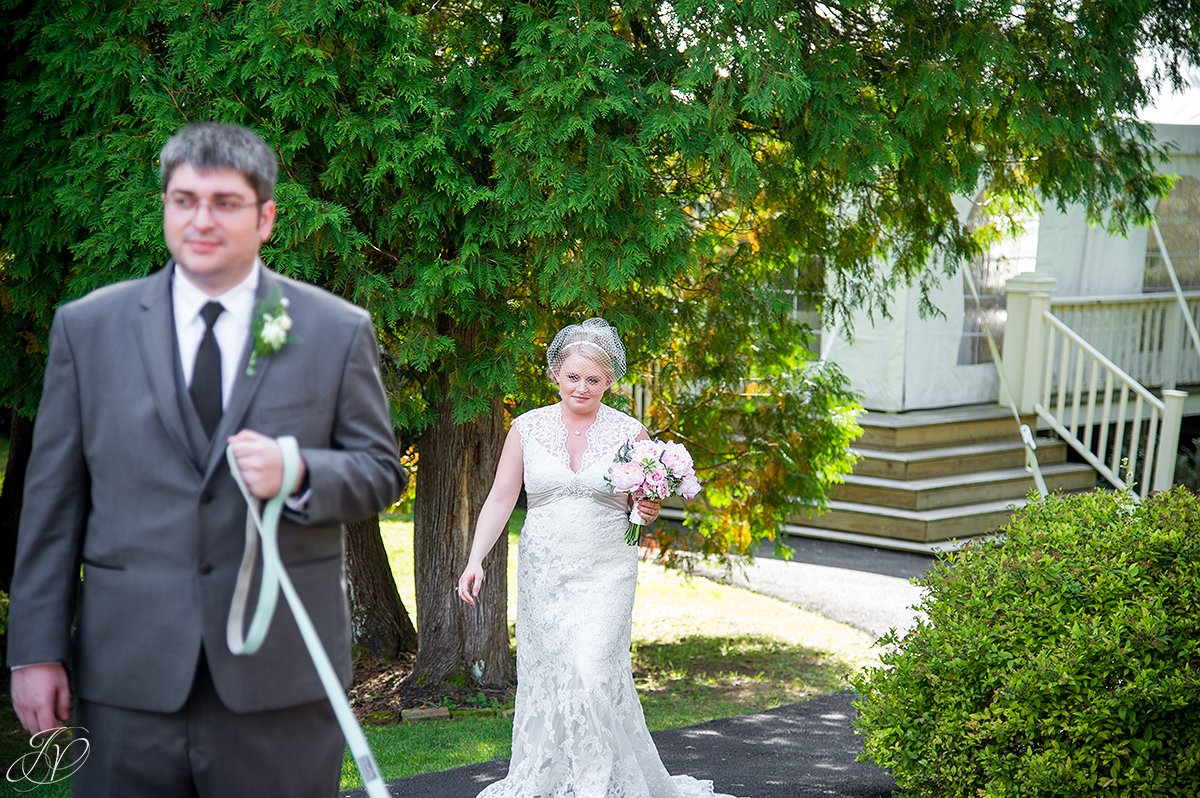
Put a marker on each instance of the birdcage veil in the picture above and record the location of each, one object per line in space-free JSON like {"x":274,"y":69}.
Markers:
{"x":595,"y":339}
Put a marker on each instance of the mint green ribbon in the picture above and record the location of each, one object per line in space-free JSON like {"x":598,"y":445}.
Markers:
{"x":265,"y":527}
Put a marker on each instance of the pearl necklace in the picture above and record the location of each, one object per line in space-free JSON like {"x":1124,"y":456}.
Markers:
{"x":578,"y":432}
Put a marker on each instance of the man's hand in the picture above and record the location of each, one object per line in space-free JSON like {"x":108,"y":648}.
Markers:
{"x":261,"y":463}
{"x":41,"y":696}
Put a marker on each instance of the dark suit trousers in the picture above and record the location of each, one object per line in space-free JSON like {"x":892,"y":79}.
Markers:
{"x":206,"y":751}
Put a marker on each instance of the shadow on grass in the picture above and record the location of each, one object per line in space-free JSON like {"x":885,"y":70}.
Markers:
{"x":698,"y":678}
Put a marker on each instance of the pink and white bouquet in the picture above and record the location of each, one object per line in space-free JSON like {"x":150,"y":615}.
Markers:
{"x":651,"y":469}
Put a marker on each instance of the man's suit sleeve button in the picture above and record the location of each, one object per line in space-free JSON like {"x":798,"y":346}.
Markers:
{"x":206,"y":569}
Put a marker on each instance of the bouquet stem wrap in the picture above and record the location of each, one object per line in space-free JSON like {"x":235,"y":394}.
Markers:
{"x":634,"y":531}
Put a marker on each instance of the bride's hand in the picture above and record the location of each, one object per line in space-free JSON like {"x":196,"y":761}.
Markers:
{"x":648,"y":509}
{"x":470,"y":582}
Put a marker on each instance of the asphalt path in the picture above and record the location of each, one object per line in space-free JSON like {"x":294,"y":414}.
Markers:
{"x":860,"y":586}
{"x":802,"y":750}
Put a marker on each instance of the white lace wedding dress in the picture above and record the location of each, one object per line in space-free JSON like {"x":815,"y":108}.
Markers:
{"x":578,"y":731}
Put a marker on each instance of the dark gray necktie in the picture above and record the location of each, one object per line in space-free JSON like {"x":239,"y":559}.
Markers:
{"x":206,"y":376}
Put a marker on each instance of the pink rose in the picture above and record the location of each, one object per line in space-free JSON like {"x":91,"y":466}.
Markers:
{"x":626,"y":477}
{"x":646,"y":452}
{"x":675,"y":456}
{"x":689,"y":486}
{"x":656,"y":486}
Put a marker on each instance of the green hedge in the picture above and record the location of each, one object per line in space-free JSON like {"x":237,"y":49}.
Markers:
{"x":1063,"y":661}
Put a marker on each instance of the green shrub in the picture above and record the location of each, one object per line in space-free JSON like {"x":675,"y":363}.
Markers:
{"x":1063,"y":661}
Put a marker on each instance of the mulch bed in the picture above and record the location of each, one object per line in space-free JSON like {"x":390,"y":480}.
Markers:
{"x":381,"y":689}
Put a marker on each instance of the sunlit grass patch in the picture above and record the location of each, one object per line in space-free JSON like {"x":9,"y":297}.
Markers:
{"x":703,"y":650}
{"x":671,"y":606}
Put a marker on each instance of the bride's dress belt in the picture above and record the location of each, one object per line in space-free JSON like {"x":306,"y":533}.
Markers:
{"x":574,"y":490}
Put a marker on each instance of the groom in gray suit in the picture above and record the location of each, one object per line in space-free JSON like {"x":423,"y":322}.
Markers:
{"x":148,"y":382}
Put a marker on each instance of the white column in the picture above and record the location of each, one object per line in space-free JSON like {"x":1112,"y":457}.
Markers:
{"x":1173,"y":345}
{"x":1168,"y":440}
{"x":1024,"y":338}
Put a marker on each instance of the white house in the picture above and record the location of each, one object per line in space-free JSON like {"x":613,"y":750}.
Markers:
{"x":909,"y":363}
{"x":1078,"y":312}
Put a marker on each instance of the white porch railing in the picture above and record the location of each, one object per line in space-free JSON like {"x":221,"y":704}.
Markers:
{"x":1129,"y":435}
{"x":1145,"y":334}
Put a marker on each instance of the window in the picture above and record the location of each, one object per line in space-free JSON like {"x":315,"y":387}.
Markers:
{"x":1006,"y":259}
{"x":1179,"y":221}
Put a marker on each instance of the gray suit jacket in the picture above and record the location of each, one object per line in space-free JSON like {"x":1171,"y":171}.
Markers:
{"x":122,"y":482}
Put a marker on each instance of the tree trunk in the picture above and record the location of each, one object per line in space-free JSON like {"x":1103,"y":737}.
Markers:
{"x":457,"y":465}
{"x":20,"y":447}
{"x":379,"y":620}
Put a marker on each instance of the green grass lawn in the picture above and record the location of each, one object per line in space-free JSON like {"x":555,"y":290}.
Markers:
{"x":700,"y":651}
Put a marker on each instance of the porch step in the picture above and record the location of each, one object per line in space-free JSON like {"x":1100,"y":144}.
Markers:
{"x":968,"y":487}
{"x":927,"y":477}
{"x":921,"y":526}
{"x":946,"y":460}
{"x":927,"y":429}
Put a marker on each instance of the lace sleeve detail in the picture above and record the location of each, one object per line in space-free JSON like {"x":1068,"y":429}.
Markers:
{"x":521,"y":423}
{"x":636,"y":428}
{"x":630,"y":427}
{"x":543,"y":425}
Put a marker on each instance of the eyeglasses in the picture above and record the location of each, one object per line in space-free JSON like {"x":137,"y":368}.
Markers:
{"x":221,"y":208}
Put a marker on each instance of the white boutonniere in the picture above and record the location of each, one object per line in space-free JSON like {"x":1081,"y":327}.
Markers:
{"x":270,"y":328}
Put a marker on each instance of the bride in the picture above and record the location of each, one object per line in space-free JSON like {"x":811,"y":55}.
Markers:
{"x":578,"y":731}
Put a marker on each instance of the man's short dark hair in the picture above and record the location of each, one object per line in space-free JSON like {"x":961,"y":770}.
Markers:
{"x":212,"y":145}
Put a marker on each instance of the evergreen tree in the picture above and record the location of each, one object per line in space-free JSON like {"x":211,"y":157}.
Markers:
{"x":477,"y":173}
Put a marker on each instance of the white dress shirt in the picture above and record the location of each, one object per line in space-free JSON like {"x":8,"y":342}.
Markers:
{"x":231,"y":329}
